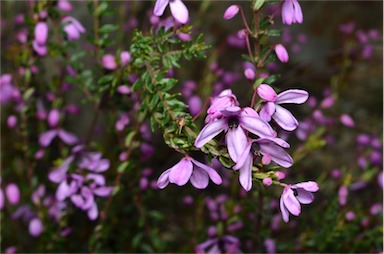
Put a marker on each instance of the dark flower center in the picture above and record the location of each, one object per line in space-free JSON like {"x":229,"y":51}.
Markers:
{"x":255,"y":149}
{"x":295,"y":192}
{"x":233,"y":122}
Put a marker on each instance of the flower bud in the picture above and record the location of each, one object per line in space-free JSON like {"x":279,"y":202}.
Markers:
{"x":64,"y":5}
{"x":281,"y":53}
{"x":249,"y":74}
{"x":267,"y":181}
{"x":231,"y":12}
{"x":266,"y":93}
{"x":124,"y":89}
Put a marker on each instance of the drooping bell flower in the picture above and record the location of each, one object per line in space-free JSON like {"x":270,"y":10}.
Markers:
{"x":281,"y":53}
{"x":291,"y":12}
{"x":295,"y":194}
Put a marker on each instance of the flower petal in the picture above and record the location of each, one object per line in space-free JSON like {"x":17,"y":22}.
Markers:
{"x":67,"y":137}
{"x":287,"y":12}
{"x":279,"y":155}
{"x":163,"y":180}
{"x":267,"y":111}
{"x":63,"y":191}
{"x":45,"y":138}
{"x":295,"y":96}
{"x":215,"y":177}
{"x":236,"y":142}
{"x":103,"y":191}
{"x":298,"y":13}
{"x":243,"y":157}
{"x":266,"y":93}
{"x":308,"y":186}
{"x":209,"y":132}
{"x":179,"y":11}
{"x":199,"y":178}
{"x":257,"y":126}
{"x":181,"y":172}
{"x":291,"y":202}
{"x":93,"y":212}
{"x":303,"y":196}
{"x":285,"y":119}
{"x":160,"y":6}
{"x":284,"y":211}
{"x":246,"y":174}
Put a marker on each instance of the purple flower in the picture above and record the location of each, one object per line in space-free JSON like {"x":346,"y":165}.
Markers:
{"x":272,"y":109}
{"x":234,"y":122}
{"x":291,"y":12}
{"x":72,"y":28}
{"x":231,"y":11}
{"x":295,"y":194}
{"x":189,"y":169}
{"x":281,"y":53}
{"x":11,"y":121}
{"x":41,"y":33}
{"x":178,"y":9}
{"x":53,"y":118}
{"x":347,"y":120}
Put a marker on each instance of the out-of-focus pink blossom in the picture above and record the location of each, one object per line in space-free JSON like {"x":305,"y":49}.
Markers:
{"x":36,"y":227}
{"x":13,"y":193}
{"x":109,"y":62}
{"x":349,"y":216}
{"x":291,"y":12}
{"x":11,"y":121}
{"x":64,"y":5}
{"x":125,"y":58}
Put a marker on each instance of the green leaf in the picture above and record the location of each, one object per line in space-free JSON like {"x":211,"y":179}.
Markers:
{"x":274,"y":32}
{"x":107,"y":28}
{"x":122,"y":167}
{"x":27,"y":94}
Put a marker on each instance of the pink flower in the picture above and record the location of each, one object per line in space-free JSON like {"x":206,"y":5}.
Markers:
{"x":231,"y":11}
{"x":234,"y":122}
{"x":178,"y":9}
{"x":53,"y":117}
{"x":189,"y":169}
{"x":11,"y":121}
{"x":72,"y":28}
{"x":125,"y":58}
{"x":272,"y":109}
{"x":294,"y":195}
{"x":281,"y":53}
{"x":291,"y":12}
